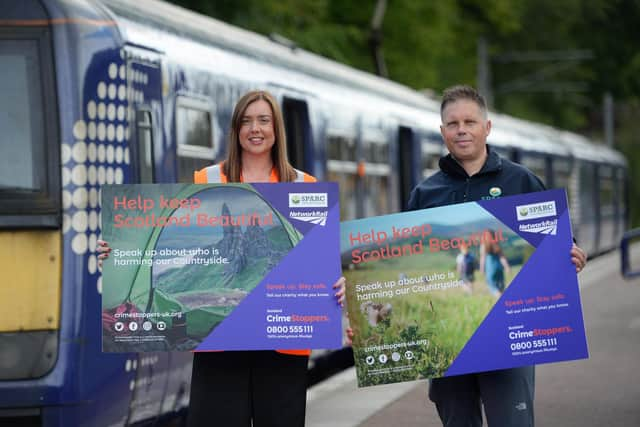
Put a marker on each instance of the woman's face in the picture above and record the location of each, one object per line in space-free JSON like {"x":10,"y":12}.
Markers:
{"x":256,"y":132}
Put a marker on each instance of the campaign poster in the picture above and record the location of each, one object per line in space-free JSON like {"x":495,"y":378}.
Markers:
{"x":220,"y":267}
{"x":463,"y":288}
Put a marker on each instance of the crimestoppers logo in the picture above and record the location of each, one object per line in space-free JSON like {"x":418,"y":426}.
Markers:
{"x":536,"y":210}
{"x":308,"y":200}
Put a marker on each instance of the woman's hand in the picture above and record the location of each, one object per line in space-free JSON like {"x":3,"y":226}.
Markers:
{"x":103,"y":249}
{"x":350,"y":335}
{"x":340,"y":285}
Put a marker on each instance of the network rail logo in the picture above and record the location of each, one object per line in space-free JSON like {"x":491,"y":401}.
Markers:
{"x":543,"y":227}
{"x":308,"y":200}
{"x":536,"y":210}
{"x":314,"y":217}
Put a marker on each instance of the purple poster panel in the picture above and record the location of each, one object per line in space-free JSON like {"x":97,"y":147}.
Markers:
{"x":464,"y":288}
{"x":220,"y":267}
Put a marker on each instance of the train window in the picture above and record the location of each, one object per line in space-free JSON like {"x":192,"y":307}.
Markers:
{"x":587,"y":199}
{"x":376,"y":177}
{"x":505,"y":152}
{"x":341,"y":148}
{"x":342,"y":168}
{"x":562,"y":175}
{"x":431,"y":154}
{"x":22,"y":116}
{"x":607,"y":200}
{"x":145,"y":147}
{"x":535,"y":164}
{"x":29,"y":176}
{"x":194,"y":136}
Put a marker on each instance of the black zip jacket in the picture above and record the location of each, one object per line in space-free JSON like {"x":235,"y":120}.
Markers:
{"x":498,"y":177}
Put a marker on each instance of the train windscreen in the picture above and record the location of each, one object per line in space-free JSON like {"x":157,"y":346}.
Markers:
{"x":30,"y":211}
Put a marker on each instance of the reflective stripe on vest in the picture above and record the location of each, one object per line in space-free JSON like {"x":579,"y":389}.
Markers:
{"x":213,"y":175}
{"x":299,"y":176}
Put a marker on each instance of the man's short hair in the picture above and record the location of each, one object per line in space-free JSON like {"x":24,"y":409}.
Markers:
{"x":458,"y":92}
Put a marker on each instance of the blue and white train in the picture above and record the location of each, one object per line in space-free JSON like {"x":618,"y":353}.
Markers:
{"x":116,"y":91}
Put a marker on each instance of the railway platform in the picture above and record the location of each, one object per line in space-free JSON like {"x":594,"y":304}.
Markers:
{"x":603,"y":390}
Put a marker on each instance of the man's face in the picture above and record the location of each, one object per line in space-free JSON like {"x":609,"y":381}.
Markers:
{"x":465,"y":130}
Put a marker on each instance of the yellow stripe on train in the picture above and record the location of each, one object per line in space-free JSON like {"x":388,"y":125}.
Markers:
{"x":30,"y":264}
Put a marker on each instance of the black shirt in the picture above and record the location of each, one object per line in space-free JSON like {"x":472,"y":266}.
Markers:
{"x":498,"y":177}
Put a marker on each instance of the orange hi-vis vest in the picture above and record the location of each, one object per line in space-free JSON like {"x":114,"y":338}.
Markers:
{"x":214,"y":174}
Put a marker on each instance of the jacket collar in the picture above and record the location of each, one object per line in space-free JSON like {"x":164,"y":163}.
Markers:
{"x":450,"y":166}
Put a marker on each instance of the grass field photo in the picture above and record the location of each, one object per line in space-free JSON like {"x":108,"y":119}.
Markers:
{"x":411,"y":304}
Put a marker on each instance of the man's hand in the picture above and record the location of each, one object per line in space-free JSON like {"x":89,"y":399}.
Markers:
{"x":578,"y":258}
{"x":340,"y":285}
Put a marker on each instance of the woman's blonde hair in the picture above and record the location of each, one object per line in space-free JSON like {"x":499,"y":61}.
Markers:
{"x":232,"y":167}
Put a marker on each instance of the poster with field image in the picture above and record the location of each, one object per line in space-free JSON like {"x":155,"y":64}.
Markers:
{"x":463,"y":288}
{"x":220,"y":267}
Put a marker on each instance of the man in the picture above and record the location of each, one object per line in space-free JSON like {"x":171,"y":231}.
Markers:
{"x":467,"y":174}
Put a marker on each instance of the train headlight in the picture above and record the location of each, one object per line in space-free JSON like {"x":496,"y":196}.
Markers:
{"x":25,"y":355}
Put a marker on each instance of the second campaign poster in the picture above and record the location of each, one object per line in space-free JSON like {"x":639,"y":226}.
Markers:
{"x":463,"y":288}
{"x":220,"y":267}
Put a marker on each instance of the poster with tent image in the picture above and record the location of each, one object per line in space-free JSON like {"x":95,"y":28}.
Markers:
{"x":463,"y":288}
{"x":220,"y":267}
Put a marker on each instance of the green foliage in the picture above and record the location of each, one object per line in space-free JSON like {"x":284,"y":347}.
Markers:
{"x":435,"y":328}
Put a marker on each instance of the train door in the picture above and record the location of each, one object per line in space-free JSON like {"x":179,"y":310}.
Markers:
{"x":408,"y":164}
{"x":607,"y":236}
{"x":589,"y":213}
{"x":299,"y":136}
{"x":145,"y":112}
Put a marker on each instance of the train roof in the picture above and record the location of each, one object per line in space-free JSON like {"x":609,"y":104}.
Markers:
{"x":507,"y":131}
{"x":183,"y":22}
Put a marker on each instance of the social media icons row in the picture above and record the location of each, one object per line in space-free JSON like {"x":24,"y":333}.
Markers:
{"x":383,"y":358}
{"x":133,"y":326}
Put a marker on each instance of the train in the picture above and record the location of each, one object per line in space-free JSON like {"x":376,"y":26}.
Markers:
{"x":114,"y":91}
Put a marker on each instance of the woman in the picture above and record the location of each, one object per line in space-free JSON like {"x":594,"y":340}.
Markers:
{"x":244,"y":388}
{"x":267,"y":387}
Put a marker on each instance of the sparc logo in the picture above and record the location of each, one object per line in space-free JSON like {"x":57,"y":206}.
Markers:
{"x":308,"y":200}
{"x":495,"y":191}
{"x":536,"y":210}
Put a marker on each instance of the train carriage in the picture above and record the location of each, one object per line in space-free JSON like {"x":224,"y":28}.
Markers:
{"x":113,"y":92}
